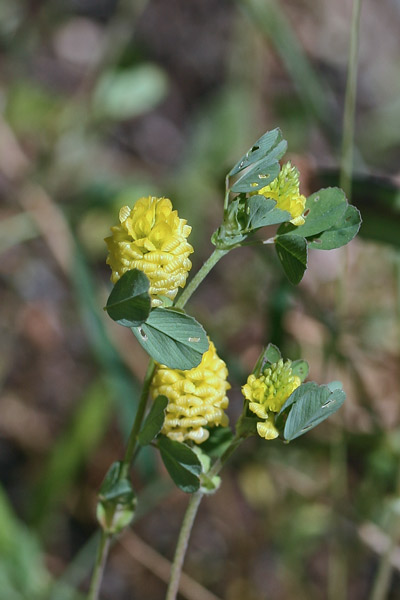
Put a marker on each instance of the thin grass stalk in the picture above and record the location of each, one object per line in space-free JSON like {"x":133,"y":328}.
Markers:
{"x":346,"y":165}
{"x":337,"y":580}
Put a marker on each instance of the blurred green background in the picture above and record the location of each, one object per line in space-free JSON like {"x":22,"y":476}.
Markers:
{"x":103,"y":102}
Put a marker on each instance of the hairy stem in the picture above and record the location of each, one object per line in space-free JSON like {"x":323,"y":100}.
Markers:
{"x":200,"y":275}
{"x":102,"y":552}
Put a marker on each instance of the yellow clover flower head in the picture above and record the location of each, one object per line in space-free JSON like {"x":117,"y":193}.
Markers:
{"x":152,"y":238}
{"x":268,"y":393}
{"x":196,"y":397}
{"x":285,"y":190}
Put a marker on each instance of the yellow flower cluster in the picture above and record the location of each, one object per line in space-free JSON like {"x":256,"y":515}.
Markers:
{"x":285,"y":190}
{"x":267,"y":394}
{"x":152,"y":238}
{"x":196,"y":397}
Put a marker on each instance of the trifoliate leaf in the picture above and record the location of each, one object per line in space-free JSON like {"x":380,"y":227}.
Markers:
{"x":259,"y":150}
{"x":181,"y":463}
{"x":129,"y":303}
{"x":344,"y":230}
{"x":322,"y":211}
{"x":308,"y":405}
{"x":172,"y":338}
{"x":263,"y":212}
{"x":262,"y":173}
{"x":154,"y":421}
{"x":292,"y":253}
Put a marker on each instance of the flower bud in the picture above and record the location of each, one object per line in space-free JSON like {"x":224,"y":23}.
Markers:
{"x":285,"y":190}
{"x":268,"y":393}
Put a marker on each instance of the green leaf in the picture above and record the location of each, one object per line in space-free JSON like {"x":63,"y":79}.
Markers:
{"x":127,"y":93}
{"x":172,"y":338}
{"x":292,"y":252}
{"x":181,"y":463}
{"x":117,"y":501}
{"x":114,"y":488}
{"x":263,"y":172}
{"x":154,"y":421}
{"x":219,"y":440}
{"x":322,"y":211}
{"x":129,"y":303}
{"x":271,"y":354}
{"x":263,"y":212}
{"x":310,"y":405}
{"x":341,"y":233}
{"x":259,"y":150}
{"x":300,"y":368}
{"x":335,"y":385}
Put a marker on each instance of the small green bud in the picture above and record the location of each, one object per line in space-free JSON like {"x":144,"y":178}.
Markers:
{"x":117,"y":501}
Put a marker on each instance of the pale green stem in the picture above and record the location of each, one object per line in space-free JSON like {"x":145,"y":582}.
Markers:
{"x":200,"y":275}
{"x":188,"y":520}
{"x":346,"y":166}
{"x":381,"y":587}
{"x":337,"y":579}
{"x":182,"y":544}
{"x":104,"y":544}
{"x":132,"y":440}
{"x":337,"y":582}
{"x":102,"y":552}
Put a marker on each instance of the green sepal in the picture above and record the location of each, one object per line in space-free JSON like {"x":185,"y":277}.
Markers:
{"x":172,"y":338}
{"x":129,"y":303}
{"x":209,"y":485}
{"x":154,"y":421}
{"x":292,"y":253}
{"x":117,"y":501}
{"x":182,"y":464}
{"x":307,"y":406}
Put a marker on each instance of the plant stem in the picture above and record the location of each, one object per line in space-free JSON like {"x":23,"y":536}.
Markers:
{"x":132,"y":440}
{"x":182,"y":544}
{"x":104,"y":545}
{"x":381,"y":587}
{"x":102,"y":552}
{"x":346,"y":166}
{"x":188,"y":520}
{"x":200,"y":275}
{"x":237,"y":440}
